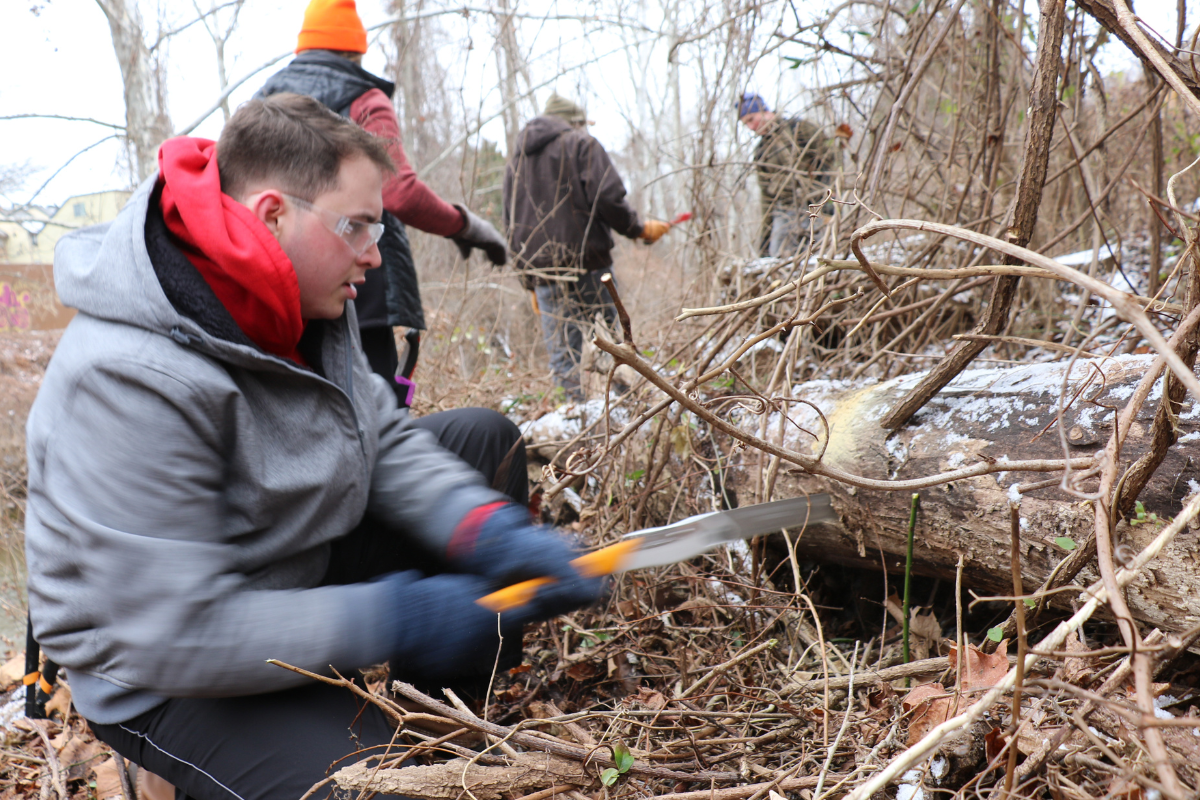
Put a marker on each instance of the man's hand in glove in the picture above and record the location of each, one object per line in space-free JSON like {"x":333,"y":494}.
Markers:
{"x":478,"y":232}
{"x":653,"y":230}
{"x":498,"y":542}
{"x":439,"y":631}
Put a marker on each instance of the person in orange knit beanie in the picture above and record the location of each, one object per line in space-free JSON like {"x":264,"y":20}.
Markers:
{"x":328,"y":68}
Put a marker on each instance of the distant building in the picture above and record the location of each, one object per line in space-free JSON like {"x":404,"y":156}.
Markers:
{"x":27,"y":239}
{"x":28,"y":235}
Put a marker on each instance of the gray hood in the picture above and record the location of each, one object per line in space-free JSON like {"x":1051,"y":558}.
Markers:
{"x":184,"y":486}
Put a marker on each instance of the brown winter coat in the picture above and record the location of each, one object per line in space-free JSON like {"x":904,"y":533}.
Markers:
{"x":562,"y":200}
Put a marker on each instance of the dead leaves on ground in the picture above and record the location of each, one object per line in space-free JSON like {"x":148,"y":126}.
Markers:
{"x":932,"y":704}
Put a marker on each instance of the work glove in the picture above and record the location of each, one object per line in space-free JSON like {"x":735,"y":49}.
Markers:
{"x":499,"y":542}
{"x":653,"y":230}
{"x":478,"y":232}
{"x":439,"y":631}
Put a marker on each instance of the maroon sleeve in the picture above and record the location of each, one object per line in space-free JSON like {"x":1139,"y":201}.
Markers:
{"x":404,"y":194}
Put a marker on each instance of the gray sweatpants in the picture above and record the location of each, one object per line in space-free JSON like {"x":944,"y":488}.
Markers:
{"x":567,"y":311}
{"x":790,"y":231}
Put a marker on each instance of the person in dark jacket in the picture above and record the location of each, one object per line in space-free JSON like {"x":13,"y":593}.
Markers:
{"x":330,"y":46}
{"x":216,"y":477}
{"x":794,"y":164}
{"x":563,"y":198}
{"x":328,"y":67}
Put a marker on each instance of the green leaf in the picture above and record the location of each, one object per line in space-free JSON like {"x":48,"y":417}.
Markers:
{"x":636,"y":475}
{"x":996,"y":634}
{"x":623,"y":758}
{"x":1030,"y":602}
{"x":1065,"y":542}
{"x":1139,"y":509}
{"x":609,"y":776}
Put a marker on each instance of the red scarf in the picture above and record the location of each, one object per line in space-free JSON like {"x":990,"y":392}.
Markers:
{"x":239,"y":258}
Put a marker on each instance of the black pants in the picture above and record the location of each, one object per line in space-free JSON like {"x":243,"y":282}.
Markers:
{"x":275,"y":745}
{"x":488,"y":441}
{"x":278,"y":745}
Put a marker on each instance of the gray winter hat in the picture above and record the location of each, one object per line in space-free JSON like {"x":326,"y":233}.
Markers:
{"x":560,"y":106}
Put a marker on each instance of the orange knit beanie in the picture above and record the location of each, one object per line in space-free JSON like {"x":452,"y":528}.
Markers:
{"x":332,"y":25}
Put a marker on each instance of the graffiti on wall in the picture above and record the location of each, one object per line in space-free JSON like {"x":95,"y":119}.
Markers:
{"x":28,"y":301}
{"x":14,"y":309}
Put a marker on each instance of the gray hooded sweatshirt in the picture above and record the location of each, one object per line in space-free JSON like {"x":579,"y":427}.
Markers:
{"x":184,"y":485}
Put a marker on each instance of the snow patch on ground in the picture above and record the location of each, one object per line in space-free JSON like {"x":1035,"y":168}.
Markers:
{"x":909,"y":788}
{"x":12,"y":707}
{"x":568,"y":420}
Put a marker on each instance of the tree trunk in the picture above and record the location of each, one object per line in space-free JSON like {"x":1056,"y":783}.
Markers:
{"x":511,"y":67}
{"x":146,"y":122}
{"x":997,"y":414}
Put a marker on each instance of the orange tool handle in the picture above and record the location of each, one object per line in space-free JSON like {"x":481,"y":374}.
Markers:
{"x":605,"y":561}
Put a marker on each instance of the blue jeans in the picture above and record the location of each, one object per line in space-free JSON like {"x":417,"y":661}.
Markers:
{"x":567,"y":311}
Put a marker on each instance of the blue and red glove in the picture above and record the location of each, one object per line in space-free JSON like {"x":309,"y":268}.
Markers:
{"x":498,"y":542}
{"x":439,"y":631}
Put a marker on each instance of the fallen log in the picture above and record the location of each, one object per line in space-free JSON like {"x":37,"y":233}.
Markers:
{"x":996,"y":415}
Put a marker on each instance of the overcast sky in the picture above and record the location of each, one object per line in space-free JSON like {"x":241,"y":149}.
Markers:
{"x":60,"y":60}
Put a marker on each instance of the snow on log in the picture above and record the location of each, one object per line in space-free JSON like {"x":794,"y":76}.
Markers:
{"x":995,"y":414}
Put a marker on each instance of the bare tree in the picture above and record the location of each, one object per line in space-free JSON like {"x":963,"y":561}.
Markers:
{"x":512,"y":68}
{"x":220,"y":37}
{"x":144,"y":75}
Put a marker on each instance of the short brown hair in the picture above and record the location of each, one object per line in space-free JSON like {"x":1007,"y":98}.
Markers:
{"x":295,"y":140}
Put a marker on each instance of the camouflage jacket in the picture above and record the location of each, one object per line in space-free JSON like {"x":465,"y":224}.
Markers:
{"x":794,"y":162}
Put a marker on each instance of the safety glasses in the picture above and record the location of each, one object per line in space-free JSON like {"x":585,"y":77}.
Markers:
{"x":360,"y":236}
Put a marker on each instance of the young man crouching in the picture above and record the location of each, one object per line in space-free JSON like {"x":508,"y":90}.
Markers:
{"x":216,"y":478}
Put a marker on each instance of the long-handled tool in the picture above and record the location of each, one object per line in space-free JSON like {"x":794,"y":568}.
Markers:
{"x":656,"y":547}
